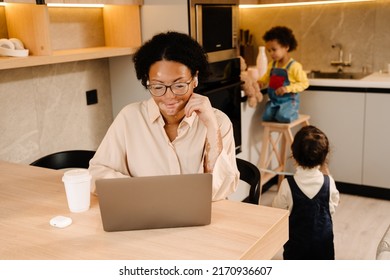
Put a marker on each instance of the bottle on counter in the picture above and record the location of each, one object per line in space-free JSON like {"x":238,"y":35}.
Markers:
{"x":261,"y":61}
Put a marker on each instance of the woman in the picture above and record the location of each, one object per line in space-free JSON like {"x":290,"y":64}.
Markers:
{"x":176,"y":131}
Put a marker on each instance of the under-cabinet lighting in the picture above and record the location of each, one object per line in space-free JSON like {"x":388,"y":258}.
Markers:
{"x":70,"y":5}
{"x":2,"y":3}
{"x":243,"y":6}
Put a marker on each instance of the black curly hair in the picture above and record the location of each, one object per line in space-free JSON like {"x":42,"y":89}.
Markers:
{"x":283,"y":35}
{"x":310,"y":147}
{"x":171,"y":46}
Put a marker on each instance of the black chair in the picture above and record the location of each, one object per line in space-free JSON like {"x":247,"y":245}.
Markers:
{"x":66,"y":159}
{"x":250,"y":174}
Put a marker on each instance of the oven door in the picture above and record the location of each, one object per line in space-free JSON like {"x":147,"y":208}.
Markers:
{"x":227,"y":98}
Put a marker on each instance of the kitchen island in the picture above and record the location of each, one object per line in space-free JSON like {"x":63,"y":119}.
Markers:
{"x":355,"y":116}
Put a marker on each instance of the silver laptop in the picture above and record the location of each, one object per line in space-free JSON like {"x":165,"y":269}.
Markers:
{"x":155,"y":202}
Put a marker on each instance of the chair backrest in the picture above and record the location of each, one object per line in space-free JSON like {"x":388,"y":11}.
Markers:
{"x":250,"y":174}
{"x":66,"y":159}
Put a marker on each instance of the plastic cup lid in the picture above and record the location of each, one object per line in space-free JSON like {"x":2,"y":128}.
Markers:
{"x":76,"y":175}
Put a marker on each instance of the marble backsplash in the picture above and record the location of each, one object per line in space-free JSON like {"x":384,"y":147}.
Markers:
{"x":44,"y":109}
{"x":361,"y":28}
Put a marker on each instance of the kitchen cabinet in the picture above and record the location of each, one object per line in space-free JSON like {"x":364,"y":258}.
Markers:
{"x":109,"y":2}
{"x":119,"y":33}
{"x":356,"y":124}
{"x":376,"y":167}
{"x":341,"y":116}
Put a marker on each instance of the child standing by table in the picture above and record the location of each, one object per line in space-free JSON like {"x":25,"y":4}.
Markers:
{"x":285,"y":77}
{"x":311,"y":197}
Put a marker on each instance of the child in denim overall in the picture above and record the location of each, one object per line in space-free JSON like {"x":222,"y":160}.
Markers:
{"x":285,"y":77}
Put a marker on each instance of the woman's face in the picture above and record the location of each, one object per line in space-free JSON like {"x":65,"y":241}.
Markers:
{"x":168,"y":73}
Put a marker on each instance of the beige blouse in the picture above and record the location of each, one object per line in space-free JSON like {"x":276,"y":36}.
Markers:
{"x":136,"y":145}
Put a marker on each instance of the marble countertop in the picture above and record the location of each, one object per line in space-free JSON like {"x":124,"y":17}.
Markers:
{"x":374,"y":80}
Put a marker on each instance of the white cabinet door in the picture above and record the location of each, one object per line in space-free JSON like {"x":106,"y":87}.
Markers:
{"x":340,"y":115}
{"x":376,"y":165}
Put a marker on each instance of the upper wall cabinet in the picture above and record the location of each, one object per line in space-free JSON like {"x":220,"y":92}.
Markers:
{"x":35,"y":1}
{"x":110,"y":2}
{"x":63,"y":34}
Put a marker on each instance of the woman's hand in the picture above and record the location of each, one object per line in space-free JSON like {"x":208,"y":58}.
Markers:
{"x":200,"y":105}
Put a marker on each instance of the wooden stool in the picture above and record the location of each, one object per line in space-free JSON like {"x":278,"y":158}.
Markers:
{"x":277,"y":148}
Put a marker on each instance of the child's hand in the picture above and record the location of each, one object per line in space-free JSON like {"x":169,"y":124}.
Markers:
{"x":281,"y":91}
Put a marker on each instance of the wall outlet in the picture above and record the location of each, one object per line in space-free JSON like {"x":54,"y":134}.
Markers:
{"x":92,"y":97}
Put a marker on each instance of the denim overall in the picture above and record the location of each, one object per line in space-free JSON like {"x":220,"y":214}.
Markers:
{"x":280,"y":108}
{"x":310,"y":225}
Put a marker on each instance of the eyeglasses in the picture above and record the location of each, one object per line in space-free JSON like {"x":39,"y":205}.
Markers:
{"x":177,"y":89}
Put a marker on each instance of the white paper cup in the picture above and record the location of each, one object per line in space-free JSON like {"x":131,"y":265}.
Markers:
{"x":77,"y":187}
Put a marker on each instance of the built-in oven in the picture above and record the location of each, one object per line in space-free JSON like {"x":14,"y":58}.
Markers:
{"x":214,"y":24}
{"x":223,"y":88}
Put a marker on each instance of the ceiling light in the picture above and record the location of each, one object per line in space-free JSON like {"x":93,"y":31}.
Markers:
{"x":302,"y":3}
{"x":66,"y":5}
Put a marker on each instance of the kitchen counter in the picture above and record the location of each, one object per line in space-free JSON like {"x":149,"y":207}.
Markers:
{"x":354,"y":114}
{"x":374,"y":81}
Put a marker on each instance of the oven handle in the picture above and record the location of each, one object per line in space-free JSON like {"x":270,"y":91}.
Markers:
{"x":243,"y":99}
{"x":223,"y":87}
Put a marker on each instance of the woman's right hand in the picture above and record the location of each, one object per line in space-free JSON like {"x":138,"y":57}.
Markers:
{"x":200,"y":105}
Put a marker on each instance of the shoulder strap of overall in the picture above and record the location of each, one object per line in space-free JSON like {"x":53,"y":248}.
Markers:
{"x":326,"y":179}
{"x":289,"y":64}
{"x":292,"y":183}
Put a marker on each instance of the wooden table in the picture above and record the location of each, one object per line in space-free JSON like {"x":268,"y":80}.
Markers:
{"x":31,"y":196}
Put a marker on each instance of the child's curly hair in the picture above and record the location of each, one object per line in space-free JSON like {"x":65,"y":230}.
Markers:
{"x":283,"y":35}
{"x":310,"y":147}
{"x":171,"y":46}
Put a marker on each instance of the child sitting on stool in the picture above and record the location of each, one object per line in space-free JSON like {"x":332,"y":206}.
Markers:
{"x":311,"y":197}
{"x":285,"y":77}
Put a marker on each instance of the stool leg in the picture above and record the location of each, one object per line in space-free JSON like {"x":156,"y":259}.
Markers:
{"x":288,"y":139}
{"x":279,"y":147}
{"x":264,"y":156}
{"x":283,"y":149}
